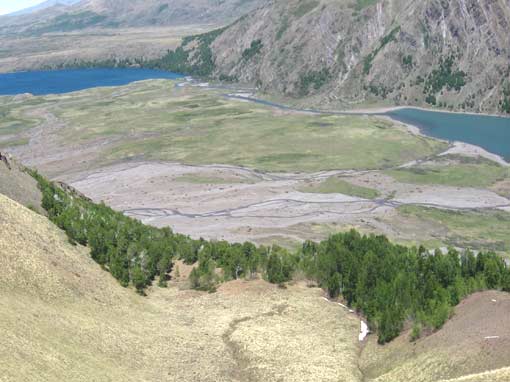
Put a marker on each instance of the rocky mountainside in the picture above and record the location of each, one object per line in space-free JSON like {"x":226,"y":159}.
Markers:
{"x":452,"y":54}
{"x":126,"y":13}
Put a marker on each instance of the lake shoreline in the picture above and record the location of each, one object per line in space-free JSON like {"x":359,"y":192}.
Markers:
{"x":389,"y":109}
{"x":456,"y":146}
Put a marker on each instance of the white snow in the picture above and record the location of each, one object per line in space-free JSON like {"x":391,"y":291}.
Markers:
{"x":363,"y":331}
{"x":363,"y":325}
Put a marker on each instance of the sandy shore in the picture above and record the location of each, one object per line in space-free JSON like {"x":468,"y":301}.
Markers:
{"x":468,"y":150}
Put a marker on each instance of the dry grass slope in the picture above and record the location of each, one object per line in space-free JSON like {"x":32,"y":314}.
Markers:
{"x":18,"y":185}
{"x":460,"y":351}
{"x":63,"y":318}
{"x":501,"y":375}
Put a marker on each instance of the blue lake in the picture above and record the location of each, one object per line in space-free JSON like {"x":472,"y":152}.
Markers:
{"x":491,"y":133}
{"x":66,"y":81}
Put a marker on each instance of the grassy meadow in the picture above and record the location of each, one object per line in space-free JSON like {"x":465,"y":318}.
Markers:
{"x":337,"y":185}
{"x":484,"y":229}
{"x":211,"y":179}
{"x":454,"y":171}
{"x":155,"y":120}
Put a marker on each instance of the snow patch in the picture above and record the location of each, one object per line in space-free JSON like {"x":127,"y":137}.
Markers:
{"x":363,"y":331}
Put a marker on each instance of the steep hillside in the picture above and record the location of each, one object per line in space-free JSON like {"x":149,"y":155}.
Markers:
{"x":63,"y":318}
{"x":476,"y":340}
{"x":126,"y":13}
{"x":453,"y":54}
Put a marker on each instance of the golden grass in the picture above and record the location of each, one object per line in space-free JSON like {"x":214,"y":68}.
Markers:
{"x":500,"y":375}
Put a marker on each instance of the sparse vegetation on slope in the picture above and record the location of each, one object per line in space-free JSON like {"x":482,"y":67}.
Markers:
{"x":118,"y":14}
{"x":390,"y":37}
{"x":70,"y":22}
{"x":16,"y":184}
{"x":200,"y":62}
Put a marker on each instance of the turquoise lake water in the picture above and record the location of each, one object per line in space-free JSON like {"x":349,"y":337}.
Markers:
{"x":491,"y":133}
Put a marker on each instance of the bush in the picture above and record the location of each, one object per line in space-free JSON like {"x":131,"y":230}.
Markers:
{"x":253,"y":50}
{"x":314,"y":80}
{"x":431,"y":99}
{"x":204,"y":276}
{"x":505,"y":103}
{"x":445,"y":76}
{"x":416,"y":331}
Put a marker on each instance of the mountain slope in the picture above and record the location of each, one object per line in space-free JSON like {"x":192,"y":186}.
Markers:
{"x":475,"y":340}
{"x":169,"y":12}
{"x":63,"y":318}
{"x":44,"y":5}
{"x":18,"y":185}
{"x":126,"y":13}
{"x":451,"y":54}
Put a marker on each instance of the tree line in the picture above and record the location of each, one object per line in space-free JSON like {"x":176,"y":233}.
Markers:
{"x":388,"y":283}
